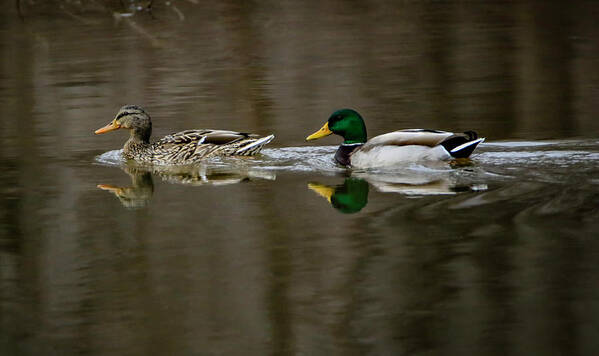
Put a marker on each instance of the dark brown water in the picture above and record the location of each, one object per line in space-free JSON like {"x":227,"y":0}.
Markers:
{"x":243,"y":256}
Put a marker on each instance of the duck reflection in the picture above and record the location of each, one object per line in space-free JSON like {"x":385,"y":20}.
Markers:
{"x":139,"y":194}
{"x":210,"y":175}
{"x":415,"y":184}
{"x":351,"y":196}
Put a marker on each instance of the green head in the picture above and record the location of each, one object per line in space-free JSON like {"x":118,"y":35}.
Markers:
{"x":346,"y":123}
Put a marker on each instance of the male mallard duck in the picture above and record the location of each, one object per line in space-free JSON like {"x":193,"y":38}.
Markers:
{"x":183,"y":147}
{"x":393,"y":148}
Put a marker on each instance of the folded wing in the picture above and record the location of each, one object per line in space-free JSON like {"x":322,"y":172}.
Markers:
{"x":420,"y":137}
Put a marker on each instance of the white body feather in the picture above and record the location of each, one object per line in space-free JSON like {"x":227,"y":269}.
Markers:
{"x":390,"y":155}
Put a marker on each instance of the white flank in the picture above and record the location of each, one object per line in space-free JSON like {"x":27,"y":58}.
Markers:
{"x":387,"y":156}
{"x":464,"y":145}
{"x":259,"y":142}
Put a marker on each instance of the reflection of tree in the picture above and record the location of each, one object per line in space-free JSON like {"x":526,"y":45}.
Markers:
{"x":71,"y":8}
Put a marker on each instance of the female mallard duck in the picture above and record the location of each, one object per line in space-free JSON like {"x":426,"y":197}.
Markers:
{"x":183,"y":147}
{"x":393,"y":148}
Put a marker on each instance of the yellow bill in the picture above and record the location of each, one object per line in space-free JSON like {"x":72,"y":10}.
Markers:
{"x":324,"y":131}
{"x":322,"y":190}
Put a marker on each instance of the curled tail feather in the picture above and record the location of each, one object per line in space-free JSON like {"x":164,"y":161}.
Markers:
{"x":462,"y":145}
{"x":255,"y":146}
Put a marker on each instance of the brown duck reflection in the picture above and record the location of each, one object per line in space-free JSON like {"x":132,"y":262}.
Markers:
{"x":140,"y":192}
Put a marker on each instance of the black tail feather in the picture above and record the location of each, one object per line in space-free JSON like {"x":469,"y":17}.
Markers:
{"x":455,"y":141}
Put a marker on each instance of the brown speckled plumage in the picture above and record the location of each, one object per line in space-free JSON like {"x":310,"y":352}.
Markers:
{"x":185,"y":147}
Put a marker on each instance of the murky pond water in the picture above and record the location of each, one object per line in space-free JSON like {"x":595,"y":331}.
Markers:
{"x":286,"y":253}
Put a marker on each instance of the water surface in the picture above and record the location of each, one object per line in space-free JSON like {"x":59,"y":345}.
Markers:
{"x":286,"y":253}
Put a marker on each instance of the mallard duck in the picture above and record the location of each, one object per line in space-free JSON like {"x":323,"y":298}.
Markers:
{"x":183,"y":147}
{"x":393,"y":148}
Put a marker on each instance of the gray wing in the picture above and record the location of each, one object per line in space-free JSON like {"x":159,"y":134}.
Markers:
{"x":406,"y":137}
{"x":221,"y":137}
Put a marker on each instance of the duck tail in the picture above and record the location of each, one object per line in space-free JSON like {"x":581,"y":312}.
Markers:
{"x":462,"y":145}
{"x":254,"y":146}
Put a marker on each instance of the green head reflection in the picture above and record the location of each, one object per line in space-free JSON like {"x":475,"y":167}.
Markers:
{"x":348,"y":198}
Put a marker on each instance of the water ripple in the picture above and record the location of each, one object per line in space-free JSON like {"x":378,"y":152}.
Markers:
{"x":111,"y":158}
{"x":508,"y":155}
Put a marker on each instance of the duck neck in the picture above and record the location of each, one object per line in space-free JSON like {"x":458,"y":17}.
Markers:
{"x":136,"y":143}
{"x":344,"y":152}
{"x":358,"y":139}
{"x":140,"y":134}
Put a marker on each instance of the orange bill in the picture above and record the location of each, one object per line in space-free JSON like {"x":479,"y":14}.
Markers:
{"x":110,"y":127}
{"x":110,"y":188}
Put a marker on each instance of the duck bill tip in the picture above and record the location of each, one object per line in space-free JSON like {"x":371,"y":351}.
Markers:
{"x":324,"y":131}
{"x":322,"y":190}
{"x":109,"y":187}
